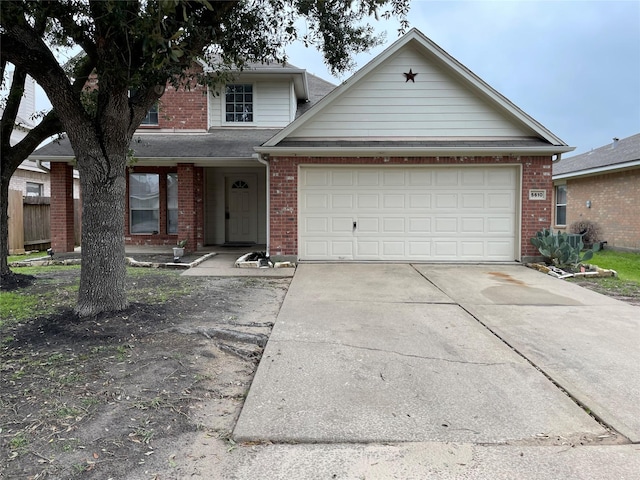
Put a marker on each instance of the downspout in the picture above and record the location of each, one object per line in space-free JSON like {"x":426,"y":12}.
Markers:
{"x":261,"y":158}
{"x":42,"y":167}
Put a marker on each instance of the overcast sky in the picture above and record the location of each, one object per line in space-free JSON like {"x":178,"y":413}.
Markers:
{"x":574,"y":66}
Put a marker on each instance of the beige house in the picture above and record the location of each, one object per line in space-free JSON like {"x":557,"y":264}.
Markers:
{"x":602,"y":186}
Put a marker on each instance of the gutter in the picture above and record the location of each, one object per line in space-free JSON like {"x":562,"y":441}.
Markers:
{"x":400,"y":151}
{"x":262,"y":159}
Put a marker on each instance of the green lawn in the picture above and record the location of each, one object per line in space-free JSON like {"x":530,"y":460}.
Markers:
{"x":28,"y":256}
{"x":625,"y":263}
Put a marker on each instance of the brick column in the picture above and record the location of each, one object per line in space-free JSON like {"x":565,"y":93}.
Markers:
{"x":188,"y":188}
{"x":62,"y":222}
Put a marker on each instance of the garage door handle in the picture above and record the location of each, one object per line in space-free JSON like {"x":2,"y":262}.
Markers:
{"x":355,"y":224}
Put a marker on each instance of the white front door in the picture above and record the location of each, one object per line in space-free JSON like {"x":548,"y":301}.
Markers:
{"x":418,"y":213}
{"x":241,"y":209}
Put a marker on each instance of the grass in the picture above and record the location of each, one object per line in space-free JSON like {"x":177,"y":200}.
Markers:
{"x":27,"y":256}
{"x":627,"y":264}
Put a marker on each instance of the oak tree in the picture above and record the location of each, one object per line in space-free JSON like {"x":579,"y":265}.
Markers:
{"x":133,"y":48}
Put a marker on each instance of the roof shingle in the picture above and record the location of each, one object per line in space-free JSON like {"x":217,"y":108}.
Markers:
{"x":619,"y":152}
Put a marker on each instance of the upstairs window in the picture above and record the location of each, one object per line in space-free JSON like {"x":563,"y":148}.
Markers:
{"x":239,"y":103}
{"x":561,"y":205}
{"x":152,"y":116}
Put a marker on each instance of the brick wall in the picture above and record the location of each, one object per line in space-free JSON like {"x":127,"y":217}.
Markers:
{"x":62,"y":217}
{"x":615,"y":200}
{"x":284,"y":192}
{"x":182,"y":109}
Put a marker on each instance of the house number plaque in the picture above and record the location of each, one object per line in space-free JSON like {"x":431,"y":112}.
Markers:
{"x":537,"y":194}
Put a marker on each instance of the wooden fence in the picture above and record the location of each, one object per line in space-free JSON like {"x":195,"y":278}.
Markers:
{"x":29,"y":222}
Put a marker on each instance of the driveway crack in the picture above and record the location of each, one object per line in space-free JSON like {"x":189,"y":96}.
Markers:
{"x":405,"y":355}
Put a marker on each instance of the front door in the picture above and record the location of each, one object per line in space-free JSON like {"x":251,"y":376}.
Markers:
{"x":241,"y":209}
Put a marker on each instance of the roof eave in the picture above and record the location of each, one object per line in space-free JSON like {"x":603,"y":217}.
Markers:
{"x":618,"y":167}
{"x":410,"y":151}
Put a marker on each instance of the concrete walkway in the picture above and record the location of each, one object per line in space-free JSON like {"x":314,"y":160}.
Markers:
{"x":366,"y":353}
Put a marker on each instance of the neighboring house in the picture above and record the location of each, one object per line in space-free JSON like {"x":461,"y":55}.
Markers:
{"x":602,"y":186}
{"x":414,"y":158}
{"x":30,"y":178}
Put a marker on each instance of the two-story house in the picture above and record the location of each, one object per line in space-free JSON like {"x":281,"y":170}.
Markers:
{"x":414,"y":158}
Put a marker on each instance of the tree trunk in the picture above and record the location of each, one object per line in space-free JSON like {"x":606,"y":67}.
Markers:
{"x":5,"y":271}
{"x":103,"y":273}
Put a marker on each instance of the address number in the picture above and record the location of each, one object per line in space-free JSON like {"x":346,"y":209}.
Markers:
{"x":537,"y":194}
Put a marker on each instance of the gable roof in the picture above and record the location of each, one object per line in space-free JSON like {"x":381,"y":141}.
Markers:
{"x":509,"y":122}
{"x":619,"y":155}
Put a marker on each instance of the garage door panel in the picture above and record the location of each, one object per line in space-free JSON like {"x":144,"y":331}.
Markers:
{"x":367,"y":225}
{"x":340,"y":201}
{"x":419,"y":225}
{"x":473,"y":200}
{"x":472,"y":225}
{"x":446,"y":178}
{"x":393,"y":201}
{"x":408,"y":213}
{"x":368,"y":200}
{"x":500,"y":200}
{"x":420,"y":201}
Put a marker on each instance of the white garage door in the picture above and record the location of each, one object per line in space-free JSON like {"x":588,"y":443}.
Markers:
{"x":407,"y":213}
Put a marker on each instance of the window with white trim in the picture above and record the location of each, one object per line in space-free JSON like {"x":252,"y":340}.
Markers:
{"x":561,"y":204}
{"x":144,"y":203}
{"x":239,"y":103}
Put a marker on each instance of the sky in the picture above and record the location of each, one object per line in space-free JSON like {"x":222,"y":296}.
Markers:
{"x":574,"y":66}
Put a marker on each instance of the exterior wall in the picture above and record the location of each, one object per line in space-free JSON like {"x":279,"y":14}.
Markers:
{"x":536,"y":174}
{"x":181,"y":110}
{"x":383,"y":104}
{"x":615,"y":199}
{"x":190,"y":206}
{"x":273,"y":104}
{"x":20,"y":178}
{"x":62,"y":214}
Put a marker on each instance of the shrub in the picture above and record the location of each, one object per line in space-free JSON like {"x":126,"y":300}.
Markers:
{"x":589,"y":230}
{"x":558,"y":250}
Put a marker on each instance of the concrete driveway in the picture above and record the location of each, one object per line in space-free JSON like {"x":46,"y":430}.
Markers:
{"x":435,"y":353}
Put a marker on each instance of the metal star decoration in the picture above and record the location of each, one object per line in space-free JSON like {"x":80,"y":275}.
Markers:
{"x":410,"y":76}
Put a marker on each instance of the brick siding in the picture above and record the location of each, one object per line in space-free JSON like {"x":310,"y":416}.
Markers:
{"x":536,"y":174}
{"x":615,"y":200}
{"x":62,"y":218}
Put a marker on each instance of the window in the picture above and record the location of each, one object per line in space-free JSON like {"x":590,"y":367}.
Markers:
{"x":172,"y":203}
{"x":152,"y":116}
{"x":144,"y":203}
{"x":35,"y":189}
{"x":561,"y":205}
{"x":239,"y":103}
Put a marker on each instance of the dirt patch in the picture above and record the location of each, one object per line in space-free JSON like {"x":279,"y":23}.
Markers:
{"x":150,"y":392}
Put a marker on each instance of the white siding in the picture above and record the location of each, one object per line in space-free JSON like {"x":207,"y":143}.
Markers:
{"x":273,"y":103}
{"x":384,"y":104}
